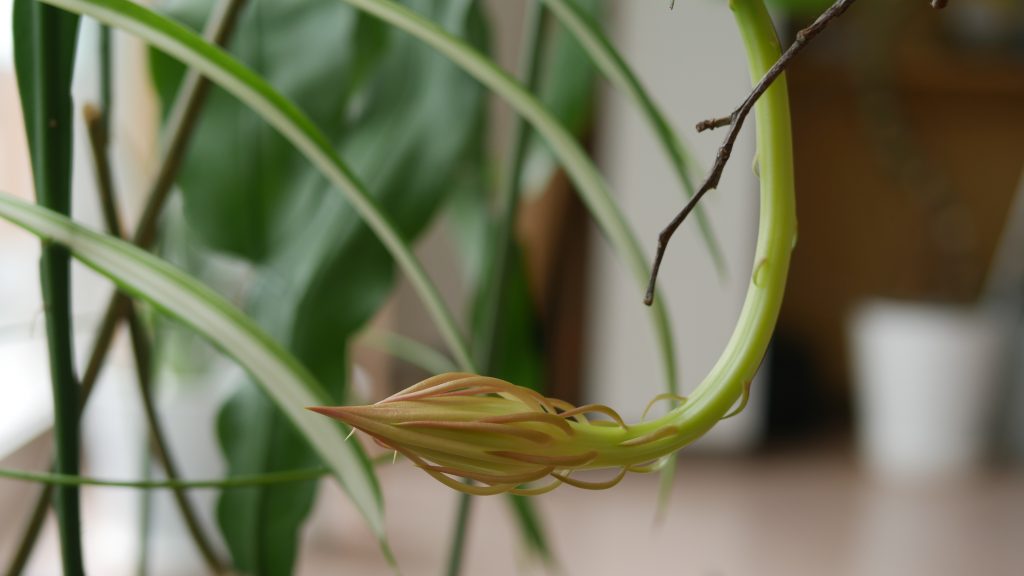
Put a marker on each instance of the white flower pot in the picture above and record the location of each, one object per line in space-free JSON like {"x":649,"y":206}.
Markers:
{"x":926,"y":379}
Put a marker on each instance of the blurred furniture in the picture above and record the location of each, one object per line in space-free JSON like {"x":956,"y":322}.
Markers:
{"x":868,"y":205}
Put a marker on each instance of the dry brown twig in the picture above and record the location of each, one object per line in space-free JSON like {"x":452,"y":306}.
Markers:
{"x":735,"y":123}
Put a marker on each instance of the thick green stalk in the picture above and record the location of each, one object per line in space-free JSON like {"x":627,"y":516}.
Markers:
{"x":777,"y":232}
{"x":45,"y":51}
{"x":730,"y":378}
{"x":508,"y":202}
{"x":731,"y":375}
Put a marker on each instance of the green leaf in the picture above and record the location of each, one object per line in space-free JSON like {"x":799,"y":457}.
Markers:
{"x":239,"y":171}
{"x":283,"y":379}
{"x":44,"y":55}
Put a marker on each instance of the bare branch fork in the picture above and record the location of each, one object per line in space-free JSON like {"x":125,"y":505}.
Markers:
{"x":735,"y":122}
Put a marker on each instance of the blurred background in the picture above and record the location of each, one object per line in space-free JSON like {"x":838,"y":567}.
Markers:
{"x":885,"y":434}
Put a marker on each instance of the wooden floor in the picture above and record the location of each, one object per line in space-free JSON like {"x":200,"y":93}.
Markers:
{"x":794,"y":513}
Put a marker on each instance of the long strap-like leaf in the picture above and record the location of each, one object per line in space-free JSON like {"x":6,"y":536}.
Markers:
{"x":234,"y":77}
{"x":182,"y":297}
{"x":614,"y":67}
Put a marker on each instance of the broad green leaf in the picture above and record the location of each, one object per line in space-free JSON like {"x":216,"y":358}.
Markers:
{"x":589,"y":182}
{"x":283,"y":379}
{"x":587,"y":31}
{"x":44,"y":55}
{"x":239,"y":171}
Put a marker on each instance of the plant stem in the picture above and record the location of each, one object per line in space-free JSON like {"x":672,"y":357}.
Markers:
{"x":45,"y":52}
{"x":106,"y":81}
{"x":508,"y":202}
{"x":242,"y":481}
{"x":140,"y":343}
{"x":729,"y":379}
{"x":187,"y":105}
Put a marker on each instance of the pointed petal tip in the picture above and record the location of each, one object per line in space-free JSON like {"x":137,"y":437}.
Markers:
{"x":337,"y":412}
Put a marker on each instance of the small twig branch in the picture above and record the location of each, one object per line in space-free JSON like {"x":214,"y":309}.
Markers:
{"x":96,"y":127}
{"x":735,"y":123}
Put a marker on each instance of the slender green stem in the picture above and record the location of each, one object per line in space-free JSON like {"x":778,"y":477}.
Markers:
{"x":145,"y":516}
{"x":30,"y":534}
{"x":455,"y":554}
{"x":504,"y":230}
{"x":245,"y":481}
{"x":141,"y":348}
{"x":184,"y":113}
{"x":106,"y":80}
{"x":45,"y":52}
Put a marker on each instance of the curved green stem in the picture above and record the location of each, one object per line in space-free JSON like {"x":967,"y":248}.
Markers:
{"x":776,"y":238}
{"x":730,"y":378}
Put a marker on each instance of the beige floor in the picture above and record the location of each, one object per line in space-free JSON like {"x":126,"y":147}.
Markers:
{"x":793,"y":514}
{"x":796,"y":513}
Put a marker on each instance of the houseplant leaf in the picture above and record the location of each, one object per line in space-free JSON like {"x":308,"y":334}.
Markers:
{"x":238,"y":170}
{"x":44,"y":54}
{"x":182,"y":297}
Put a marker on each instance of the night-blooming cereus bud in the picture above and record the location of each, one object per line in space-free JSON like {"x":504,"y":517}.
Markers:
{"x":505,"y":437}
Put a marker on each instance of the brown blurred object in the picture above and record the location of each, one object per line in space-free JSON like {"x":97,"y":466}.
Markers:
{"x":552,"y":228}
{"x":909,"y":211}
